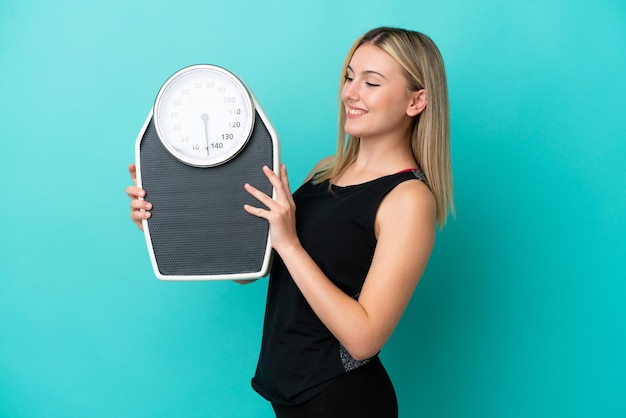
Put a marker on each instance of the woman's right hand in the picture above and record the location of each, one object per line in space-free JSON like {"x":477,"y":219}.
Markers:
{"x":139,"y":208}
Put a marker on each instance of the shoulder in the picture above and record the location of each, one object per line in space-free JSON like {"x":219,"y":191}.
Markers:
{"x":324,"y":164}
{"x":410,"y":203}
{"x":410,"y":195}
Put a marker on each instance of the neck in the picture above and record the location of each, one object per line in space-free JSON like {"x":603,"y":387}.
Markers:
{"x":385,"y":155}
{"x":378,"y":157}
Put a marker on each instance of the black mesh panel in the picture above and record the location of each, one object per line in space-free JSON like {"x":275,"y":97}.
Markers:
{"x":198,"y":225}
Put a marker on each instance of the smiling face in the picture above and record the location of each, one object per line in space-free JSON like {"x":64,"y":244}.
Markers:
{"x":377,"y":101}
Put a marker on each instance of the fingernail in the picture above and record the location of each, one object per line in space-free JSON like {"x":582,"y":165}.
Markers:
{"x":148,"y":206}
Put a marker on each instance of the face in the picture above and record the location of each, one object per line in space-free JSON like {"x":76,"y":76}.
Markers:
{"x":377,"y":100}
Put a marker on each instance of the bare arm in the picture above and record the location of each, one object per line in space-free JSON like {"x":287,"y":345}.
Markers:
{"x":405,"y":226}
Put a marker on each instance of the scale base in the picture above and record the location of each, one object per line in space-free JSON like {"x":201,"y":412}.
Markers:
{"x":198,"y":229}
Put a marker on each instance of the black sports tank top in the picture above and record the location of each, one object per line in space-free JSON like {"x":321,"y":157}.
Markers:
{"x":299,"y":356}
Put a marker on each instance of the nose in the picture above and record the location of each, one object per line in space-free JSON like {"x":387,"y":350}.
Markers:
{"x":349,"y":91}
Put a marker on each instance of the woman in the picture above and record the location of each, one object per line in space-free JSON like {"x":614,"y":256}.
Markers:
{"x":352,"y":242}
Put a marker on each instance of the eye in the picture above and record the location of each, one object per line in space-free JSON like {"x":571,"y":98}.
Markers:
{"x":347,"y":78}
{"x":372,"y":84}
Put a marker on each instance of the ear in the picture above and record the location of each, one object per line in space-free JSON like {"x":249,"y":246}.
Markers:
{"x":419,"y":100}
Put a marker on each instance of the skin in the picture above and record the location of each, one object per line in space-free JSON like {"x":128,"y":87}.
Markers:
{"x":139,"y":208}
{"x":380,"y":109}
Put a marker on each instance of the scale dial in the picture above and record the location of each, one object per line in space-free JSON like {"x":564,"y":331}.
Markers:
{"x":204,"y":115}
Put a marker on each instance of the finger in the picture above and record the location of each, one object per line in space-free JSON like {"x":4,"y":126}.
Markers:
{"x":140,"y":215}
{"x":284,"y":178}
{"x":137,"y":204}
{"x":261,"y":213}
{"x":132,"y":169}
{"x":285,"y":181}
{"x":259,"y":195}
{"x":277,"y":183}
{"x":135,"y":192}
{"x":283,"y":190}
{"x":271,"y":176}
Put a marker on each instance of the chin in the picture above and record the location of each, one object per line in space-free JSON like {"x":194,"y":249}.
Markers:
{"x":350,"y":130}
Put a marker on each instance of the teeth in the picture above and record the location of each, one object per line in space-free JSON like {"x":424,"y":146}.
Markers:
{"x":356,"y":112}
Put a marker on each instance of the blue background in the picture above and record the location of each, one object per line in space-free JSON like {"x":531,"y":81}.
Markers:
{"x":521,"y":311}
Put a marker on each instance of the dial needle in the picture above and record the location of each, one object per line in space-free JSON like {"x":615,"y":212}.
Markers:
{"x":205,"y":119}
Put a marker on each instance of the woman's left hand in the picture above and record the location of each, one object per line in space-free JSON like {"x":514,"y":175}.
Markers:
{"x":280,"y":212}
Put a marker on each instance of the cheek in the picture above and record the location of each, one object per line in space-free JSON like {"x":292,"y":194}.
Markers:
{"x":385,"y":100}
{"x":396,"y":105}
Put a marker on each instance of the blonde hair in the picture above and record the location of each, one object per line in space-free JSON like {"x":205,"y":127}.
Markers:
{"x":430,"y":137}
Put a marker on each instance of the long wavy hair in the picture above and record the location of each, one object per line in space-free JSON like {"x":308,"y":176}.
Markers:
{"x":423,"y":66}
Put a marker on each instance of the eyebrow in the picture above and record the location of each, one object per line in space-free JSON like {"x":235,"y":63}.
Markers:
{"x":368,"y":72}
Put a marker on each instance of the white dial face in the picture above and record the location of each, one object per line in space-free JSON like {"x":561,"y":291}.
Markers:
{"x":203,"y":115}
